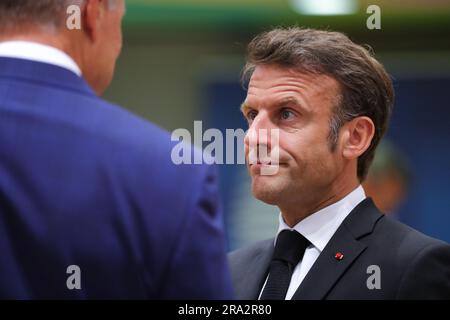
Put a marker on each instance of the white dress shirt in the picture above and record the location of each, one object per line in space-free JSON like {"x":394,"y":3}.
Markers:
{"x":318,"y":228}
{"x":33,"y":51}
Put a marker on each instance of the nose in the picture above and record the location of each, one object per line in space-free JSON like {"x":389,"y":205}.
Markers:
{"x":259,"y":133}
{"x":262,"y":140}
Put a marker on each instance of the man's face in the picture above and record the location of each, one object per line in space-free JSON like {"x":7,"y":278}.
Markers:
{"x":299,"y":105}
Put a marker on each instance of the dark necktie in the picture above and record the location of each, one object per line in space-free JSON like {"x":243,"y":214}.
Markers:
{"x":289,"y":249}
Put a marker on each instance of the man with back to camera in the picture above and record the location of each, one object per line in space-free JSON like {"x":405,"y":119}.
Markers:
{"x":330,"y":102}
{"x":91,"y":205}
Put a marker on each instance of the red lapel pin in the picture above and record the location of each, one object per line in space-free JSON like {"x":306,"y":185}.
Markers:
{"x":339,"y":256}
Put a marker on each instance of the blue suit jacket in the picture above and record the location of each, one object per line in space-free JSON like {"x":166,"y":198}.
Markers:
{"x":86,"y":183}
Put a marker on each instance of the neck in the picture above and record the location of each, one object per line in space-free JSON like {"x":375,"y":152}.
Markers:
{"x":295,"y":212}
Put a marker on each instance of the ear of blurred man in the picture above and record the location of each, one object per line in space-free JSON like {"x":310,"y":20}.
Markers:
{"x":95,"y":45}
{"x":99,"y":41}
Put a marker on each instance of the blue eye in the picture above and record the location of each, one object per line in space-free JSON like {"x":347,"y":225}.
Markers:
{"x":286,"y":114}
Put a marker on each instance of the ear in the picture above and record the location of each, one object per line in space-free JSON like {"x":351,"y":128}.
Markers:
{"x":92,"y":13}
{"x":357,"y":138}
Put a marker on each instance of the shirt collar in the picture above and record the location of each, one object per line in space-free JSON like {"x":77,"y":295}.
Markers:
{"x":38,"y":52}
{"x":320,"y":226}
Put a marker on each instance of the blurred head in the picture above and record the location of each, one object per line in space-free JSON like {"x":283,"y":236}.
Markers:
{"x":95,"y":46}
{"x":389,"y":178}
{"x":329,"y":99}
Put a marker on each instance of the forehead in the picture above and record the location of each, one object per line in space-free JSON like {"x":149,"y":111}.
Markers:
{"x":271,"y":83}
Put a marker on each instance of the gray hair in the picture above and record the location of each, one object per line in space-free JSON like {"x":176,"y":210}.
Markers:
{"x":41,"y":12}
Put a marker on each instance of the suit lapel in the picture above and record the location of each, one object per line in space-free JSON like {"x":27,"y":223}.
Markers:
{"x":327,"y":270}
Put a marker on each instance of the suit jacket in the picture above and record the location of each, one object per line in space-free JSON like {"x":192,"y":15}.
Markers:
{"x":382,"y":259}
{"x":86,"y":183}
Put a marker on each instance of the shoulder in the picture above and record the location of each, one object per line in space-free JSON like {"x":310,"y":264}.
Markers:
{"x":133,"y":139}
{"x":427,"y":274}
{"x":123,"y":126}
{"x":135,"y":153}
{"x":398,"y":242}
{"x":405,"y":238}
{"x":422,"y":262}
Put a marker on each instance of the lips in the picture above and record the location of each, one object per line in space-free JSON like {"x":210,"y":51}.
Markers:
{"x":260,"y":164}
{"x":253,"y":159}
{"x":260,"y":169}
{"x":266,"y":161}
{"x":263,"y":161}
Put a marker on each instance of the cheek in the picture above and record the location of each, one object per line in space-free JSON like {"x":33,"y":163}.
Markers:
{"x":292,"y":145}
{"x":326,"y":163}
{"x":313,"y":153}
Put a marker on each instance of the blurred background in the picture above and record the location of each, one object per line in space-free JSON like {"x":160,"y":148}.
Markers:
{"x":182,"y":61}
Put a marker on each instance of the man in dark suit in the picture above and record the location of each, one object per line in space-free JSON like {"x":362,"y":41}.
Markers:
{"x":328,"y":101}
{"x":91,"y":204}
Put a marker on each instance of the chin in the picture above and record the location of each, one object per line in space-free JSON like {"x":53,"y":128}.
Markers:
{"x":266,"y":191}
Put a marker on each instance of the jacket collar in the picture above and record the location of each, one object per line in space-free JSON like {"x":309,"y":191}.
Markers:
{"x":327,"y":269}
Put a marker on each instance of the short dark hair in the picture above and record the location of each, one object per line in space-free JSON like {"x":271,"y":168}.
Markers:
{"x":366,"y":88}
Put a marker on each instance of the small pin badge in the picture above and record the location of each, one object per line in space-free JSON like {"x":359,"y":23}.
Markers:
{"x":339,"y":256}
